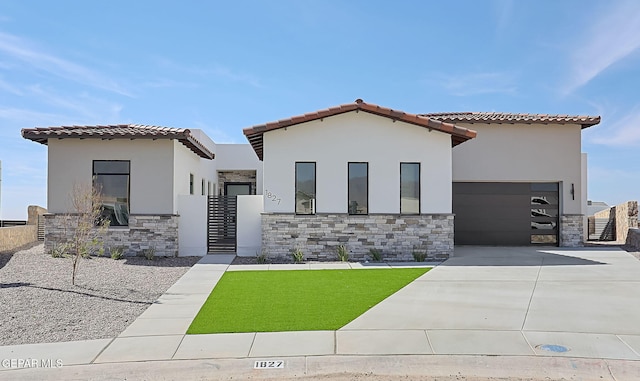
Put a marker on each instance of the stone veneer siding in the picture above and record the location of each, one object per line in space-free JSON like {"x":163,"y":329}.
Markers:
{"x":396,"y":236}
{"x":144,"y":231}
{"x":240,"y":176}
{"x":572,"y":230}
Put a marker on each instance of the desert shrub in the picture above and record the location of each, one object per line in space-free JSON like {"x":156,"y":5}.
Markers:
{"x":149,"y":253}
{"x":261,"y":257}
{"x":376,"y":254}
{"x":116,"y":252}
{"x":297,"y":255}
{"x":343,"y":253}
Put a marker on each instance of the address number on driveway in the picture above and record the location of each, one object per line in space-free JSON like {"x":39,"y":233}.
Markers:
{"x":268,"y":364}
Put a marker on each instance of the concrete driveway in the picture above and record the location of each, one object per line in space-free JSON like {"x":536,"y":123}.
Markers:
{"x":519,"y":301}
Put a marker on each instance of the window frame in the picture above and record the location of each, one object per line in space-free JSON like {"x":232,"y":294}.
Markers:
{"x":419,"y":188}
{"x":315,"y":188}
{"x":94,"y":174}
{"x":349,"y":187}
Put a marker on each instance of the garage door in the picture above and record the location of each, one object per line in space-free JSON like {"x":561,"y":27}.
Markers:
{"x":505,"y":214}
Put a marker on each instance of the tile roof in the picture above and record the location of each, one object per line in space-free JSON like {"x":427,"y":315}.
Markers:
{"x":458,"y":134}
{"x":118,"y":131}
{"x":502,"y":117}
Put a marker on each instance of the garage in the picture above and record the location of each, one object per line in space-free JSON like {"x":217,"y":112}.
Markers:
{"x":505,"y":214}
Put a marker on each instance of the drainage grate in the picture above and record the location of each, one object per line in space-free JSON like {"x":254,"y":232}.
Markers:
{"x":553,"y":348}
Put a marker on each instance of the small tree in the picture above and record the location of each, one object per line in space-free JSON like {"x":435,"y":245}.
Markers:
{"x":85,"y":223}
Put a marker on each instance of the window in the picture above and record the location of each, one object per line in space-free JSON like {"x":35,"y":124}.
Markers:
{"x":111,"y":180}
{"x":305,"y":188}
{"x":202,"y":189}
{"x":358,"y":193}
{"x":209,"y":189}
{"x":410,"y":188}
{"x":190,"y":183}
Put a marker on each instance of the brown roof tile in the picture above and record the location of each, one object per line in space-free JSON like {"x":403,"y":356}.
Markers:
{"x":458,"y":134}
{"x":501,"y":117}
{"x":118,"y":131}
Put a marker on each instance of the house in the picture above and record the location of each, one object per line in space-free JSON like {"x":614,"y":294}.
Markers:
{"x":341,"y":176}
{"x":154,"y":182}
{"x":522,"y":181}
{"x":358,"y":175}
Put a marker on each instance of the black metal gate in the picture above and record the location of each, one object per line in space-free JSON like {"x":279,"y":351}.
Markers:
{"x":221,"y":224}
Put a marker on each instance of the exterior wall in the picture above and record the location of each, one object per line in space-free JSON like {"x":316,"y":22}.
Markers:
{"x":186,"y":163}
{"x":623,"y":216}
{"x":14,"y":237}
{"x":236,"y":176}
{"x":626,"y":218}
{"x":33,"y":212}
{"x":71,"y":160}
{"x":527,"y":153}
{"x":633,"y":239}
{"x":159,"y":232}
{"x":192,"y":226}
{"x":357,"y":137}
{"x":396,"y":236}
{"x":572,"y":230}
{"x":249,"y":225}
{"x":239,"y":157}
{"x":584,"y":197}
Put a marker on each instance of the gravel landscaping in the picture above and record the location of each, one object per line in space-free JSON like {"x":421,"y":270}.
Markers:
{"x":38,"y":304}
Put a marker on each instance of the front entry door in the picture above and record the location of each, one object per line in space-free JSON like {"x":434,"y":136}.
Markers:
{"x":235,"y":189}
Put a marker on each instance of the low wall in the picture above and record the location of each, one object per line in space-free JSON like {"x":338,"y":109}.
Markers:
{"x":249,"y":225}
{"x":624,"y":216}
{"x":396,"y":236}
{"x":633,"y":239}
{"x":13,"y":237}
{"x":192,"y":226}
{"x":158,"y":232}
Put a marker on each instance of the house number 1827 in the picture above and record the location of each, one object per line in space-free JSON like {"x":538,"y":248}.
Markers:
{"x":272,"y":197}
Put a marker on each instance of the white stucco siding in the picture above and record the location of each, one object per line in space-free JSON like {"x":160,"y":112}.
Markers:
{"x":357,"y":137}
{"x":186,"y":162}
{"x":232,"y":157}
{"x":524,"y":153}
{"x":71,"y":161}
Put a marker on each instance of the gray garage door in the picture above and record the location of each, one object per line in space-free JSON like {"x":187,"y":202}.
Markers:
{"x":505,"y":214}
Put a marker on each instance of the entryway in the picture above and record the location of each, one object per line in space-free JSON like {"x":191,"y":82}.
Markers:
{"x":221,"y":220}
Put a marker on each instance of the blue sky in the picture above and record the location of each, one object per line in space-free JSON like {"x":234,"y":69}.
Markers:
{"x":223,"y":66}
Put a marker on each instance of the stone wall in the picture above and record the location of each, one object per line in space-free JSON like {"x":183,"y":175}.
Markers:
{"x":572,"y":230}
{"x":13,"y":237}
{"x":159,"y":232}
{"x":248,"y":176}
{"x":33,"y":211}
{"x":396,"y":236}
{"x":624,"y":216}
{"x":633,"y":239}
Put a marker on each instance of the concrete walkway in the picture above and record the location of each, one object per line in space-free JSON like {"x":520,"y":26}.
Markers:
{"x":549,"y":303}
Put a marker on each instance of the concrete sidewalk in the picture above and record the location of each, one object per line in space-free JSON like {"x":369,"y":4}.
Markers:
{"x":523,"y":302}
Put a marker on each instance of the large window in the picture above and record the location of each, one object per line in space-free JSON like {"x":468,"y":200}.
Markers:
{"x":111,"y":180}
{"x":410,"y":188}
{"x":358,"y":193}
{"x":305,"y":188}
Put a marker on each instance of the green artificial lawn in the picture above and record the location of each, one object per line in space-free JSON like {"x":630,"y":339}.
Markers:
{"x":296,"y":300}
